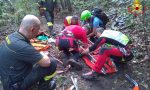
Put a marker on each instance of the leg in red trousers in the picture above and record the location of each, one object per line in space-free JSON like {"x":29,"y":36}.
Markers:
{"x":104,"y":54}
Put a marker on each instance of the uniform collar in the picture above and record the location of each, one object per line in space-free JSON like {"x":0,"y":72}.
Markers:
{"x":22,"y":36}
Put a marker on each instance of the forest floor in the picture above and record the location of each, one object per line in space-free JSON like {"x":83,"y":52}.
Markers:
{"x":139,"y":71}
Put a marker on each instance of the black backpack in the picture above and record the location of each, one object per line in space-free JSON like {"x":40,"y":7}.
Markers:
{"x":101,"y":15}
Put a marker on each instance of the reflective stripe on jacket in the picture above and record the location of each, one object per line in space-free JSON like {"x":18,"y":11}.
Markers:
{"x":116,"y":35}
{"x":68,"y":18}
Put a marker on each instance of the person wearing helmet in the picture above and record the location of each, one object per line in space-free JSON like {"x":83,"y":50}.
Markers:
{"x":119,"y":49}
{"x":78,"y":32}
{"x":94,"y":22}
{"x":71,"y":20}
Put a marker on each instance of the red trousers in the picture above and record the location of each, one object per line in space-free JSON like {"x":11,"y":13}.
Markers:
{"x":104,"y":54}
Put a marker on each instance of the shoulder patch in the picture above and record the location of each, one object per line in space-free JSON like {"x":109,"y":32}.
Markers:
{"x":7,"y":40}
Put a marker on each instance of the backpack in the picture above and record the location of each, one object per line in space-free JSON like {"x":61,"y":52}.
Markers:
{"x":101,"y":15}
{"x":65,"y":42}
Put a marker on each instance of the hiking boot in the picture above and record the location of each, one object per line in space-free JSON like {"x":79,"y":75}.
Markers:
{"x":76,"y":65}
{"x":47,"y":85}
{"x":52,"y":85}
{"x":92,"y":75}
{"x":65,"y":59}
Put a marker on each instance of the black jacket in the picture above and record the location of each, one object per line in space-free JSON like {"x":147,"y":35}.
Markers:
{"x":48,"y":4}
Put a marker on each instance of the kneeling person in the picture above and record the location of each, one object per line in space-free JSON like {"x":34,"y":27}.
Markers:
{"x":67,"y":43}
{"x":119,"y":49}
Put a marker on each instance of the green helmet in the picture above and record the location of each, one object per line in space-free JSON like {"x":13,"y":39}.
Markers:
{"x":85,"y":15}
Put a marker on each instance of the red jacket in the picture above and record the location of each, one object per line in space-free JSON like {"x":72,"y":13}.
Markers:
{"x":78,"y":32}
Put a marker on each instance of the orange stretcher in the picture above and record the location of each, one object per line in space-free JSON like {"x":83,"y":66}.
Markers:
{"x":40,"y":45}
{"x":90,"y":59}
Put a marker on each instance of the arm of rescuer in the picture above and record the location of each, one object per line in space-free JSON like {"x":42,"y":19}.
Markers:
{"x":93,"y":32}
{"x":95,"y":25}
{"x":45,"y":61}
{"x":100,"y":41}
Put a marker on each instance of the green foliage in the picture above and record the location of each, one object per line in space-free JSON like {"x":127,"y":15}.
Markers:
{"x":139,"y":22}
{"x":1,"y":5}
{"x":4,"y":16}
{"x":13,"y":12}
{"x":24,"y":7}
{"x":82,"y":5}
{"x":147,"y":13}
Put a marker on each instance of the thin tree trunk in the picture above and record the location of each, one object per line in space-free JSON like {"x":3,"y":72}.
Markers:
{"x":69,"y":5}
{"x":62,"y":4}
{"x":65,"y":3}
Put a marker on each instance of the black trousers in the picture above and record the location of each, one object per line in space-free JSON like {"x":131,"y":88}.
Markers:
{"x":93,"y":39}
{"x":73,"y":54}
{"x":49,"y":15}
{"x":38,"y":73}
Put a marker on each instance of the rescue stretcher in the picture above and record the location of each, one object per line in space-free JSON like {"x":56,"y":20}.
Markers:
{"x":90,"y":59}
{"x":40,"y":45}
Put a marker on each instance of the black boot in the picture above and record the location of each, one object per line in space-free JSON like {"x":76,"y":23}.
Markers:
{"x":74,"y":64}
{"x":52,"y":85}
{"x":65,"y":58}
{"x":47,"y":85}
{"x":50,"y":30}
{"x":92,"y":75}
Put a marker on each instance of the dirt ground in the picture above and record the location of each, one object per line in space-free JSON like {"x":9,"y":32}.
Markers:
{"x":138,"y":71}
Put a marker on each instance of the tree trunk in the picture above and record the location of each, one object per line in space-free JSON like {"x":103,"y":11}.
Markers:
{"x":66,"y":4}
{"x":69,"y":5}
{"x":62,"y":4}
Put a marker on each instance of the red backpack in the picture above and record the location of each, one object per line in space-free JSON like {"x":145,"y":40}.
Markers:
{"x":66,"y":41}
